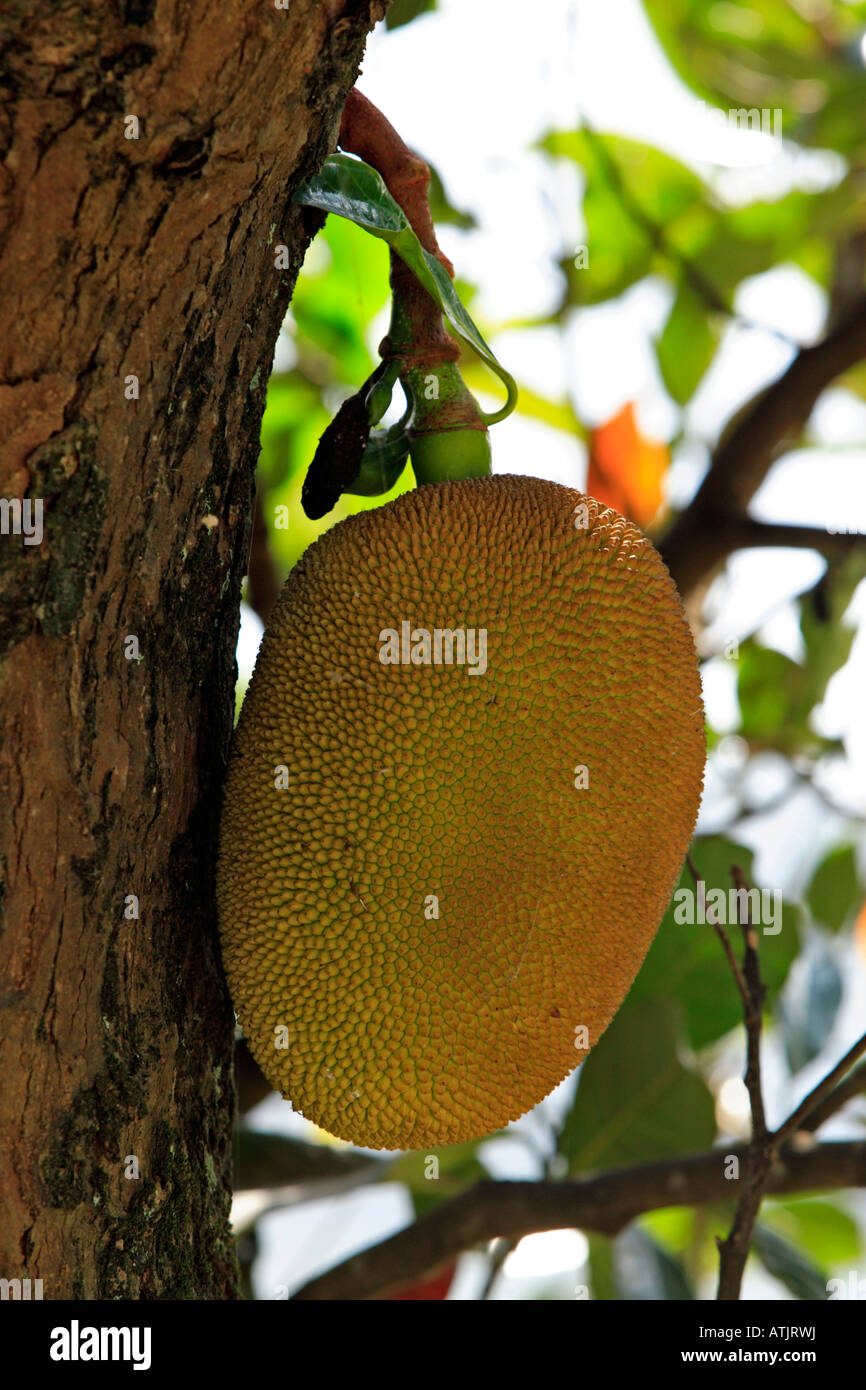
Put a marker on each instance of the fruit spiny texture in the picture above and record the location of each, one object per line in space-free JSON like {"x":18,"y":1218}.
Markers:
{"x":465,"y":868}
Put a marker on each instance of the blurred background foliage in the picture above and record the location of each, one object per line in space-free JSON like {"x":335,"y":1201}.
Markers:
{"x":662,"y":1081}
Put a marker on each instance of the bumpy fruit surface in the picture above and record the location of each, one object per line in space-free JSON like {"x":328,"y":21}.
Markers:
{"x":463,"y":868}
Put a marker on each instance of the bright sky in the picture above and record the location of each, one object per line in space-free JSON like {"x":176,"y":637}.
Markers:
{"x":472,"y":87}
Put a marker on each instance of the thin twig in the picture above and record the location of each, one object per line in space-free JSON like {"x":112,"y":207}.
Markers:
{"x":807,"y":1106}
{"x":853,"y":1085}
{"x":503,"y":1248}
{"x":497,"y":1257}
{"x":761,"y":1153}
{"x":757,"y":993}
{"x":734,"y":1250}
{"x":799,"y":781}
{"x":764,"y":1146}
{"x":721,"y":934}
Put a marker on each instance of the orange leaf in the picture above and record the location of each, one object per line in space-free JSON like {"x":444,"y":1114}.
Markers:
{"x":626,"y":470}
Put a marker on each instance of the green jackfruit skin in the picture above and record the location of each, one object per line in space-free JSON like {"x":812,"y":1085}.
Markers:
{"x":414,"y":928}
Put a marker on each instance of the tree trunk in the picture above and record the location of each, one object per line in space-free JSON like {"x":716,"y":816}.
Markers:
{"x":142,"y":293}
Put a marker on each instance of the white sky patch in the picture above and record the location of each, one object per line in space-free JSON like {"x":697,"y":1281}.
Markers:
{"x":546,"y":1252}
{"x":538,"y":450}
{"x":249,"y":637}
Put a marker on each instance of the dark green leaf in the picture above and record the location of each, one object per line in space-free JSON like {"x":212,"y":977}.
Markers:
{"x":635,"y":1100}
{"x":404,"y":11}
{"x":354,"y":190}
{"x":382,"y":462}
{"x":789,"y":1265}
{"x":835,"y":894}
{"x":769,"y":686}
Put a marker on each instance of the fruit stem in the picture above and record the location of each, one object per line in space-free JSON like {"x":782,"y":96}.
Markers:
{"x":417,"y":336}
{"x":364,"y":131}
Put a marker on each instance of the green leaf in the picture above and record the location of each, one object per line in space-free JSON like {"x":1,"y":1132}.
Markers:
{"x":404,"y":11}
{"x":636,"y":203}
{"x":826,"y":1232}
{"x":653,"y":185}
{"x":687,"y":344}
{"x":601,"y":1275}
{"x":807,"y":1009}
{"x":438,"y":283}
{"x":382,"y":463}
{"x":352,"y":189}
{"x":644,"y":1271}
{"x":777,"y":695}
{"x":788,"y":1264}
{"x":834,"y":894}
{"x":672,"y":1227}
{"x":635,"y":1100}
{"x":769,"y":689}
{"x":441,"y":207}
{"x":827,"y":637}
{"x":687,"y":963}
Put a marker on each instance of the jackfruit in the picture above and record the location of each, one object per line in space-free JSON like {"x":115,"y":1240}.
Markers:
{"x":462,"y":785}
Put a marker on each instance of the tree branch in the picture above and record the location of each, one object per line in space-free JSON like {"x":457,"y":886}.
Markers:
{"x":710,"y":528}
{"x":605,"y":1204}
{"x":853,"y":1085}
{"x":744,"y":533}
{"x":266,"y":1161}
{"x":822,"y":1092}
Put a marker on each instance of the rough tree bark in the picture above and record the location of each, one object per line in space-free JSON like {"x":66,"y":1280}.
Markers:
{"x":149,"y":257}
